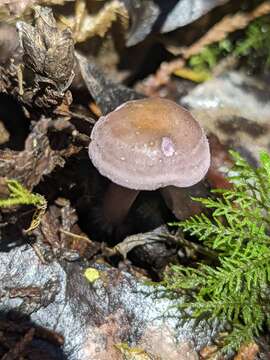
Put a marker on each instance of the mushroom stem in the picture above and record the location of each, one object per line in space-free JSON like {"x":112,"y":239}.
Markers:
{"x":179,"y":201}
{"x":117,"y":203}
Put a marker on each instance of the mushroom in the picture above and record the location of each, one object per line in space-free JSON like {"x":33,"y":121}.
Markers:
{"x":147,"y":144}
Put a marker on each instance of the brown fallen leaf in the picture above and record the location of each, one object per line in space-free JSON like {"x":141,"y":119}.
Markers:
{"x":48,"y":51}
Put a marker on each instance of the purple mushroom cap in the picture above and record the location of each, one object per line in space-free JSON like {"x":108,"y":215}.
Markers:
{"x":149,"y":144}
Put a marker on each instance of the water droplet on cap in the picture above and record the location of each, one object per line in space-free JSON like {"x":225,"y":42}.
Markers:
{"x":167,"y":146}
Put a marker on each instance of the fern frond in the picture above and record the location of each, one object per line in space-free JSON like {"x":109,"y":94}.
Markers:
{"x":237,"y":290}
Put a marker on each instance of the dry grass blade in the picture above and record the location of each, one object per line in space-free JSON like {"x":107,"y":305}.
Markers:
{"x":76,"y":236}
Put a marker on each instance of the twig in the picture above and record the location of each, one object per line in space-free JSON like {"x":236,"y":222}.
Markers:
{"x":203,"y":250}
{"x":20,"y":79}
{"x":39,"y":254}
{"x":140,"y":239}
{"x":89,"y":119}
{"x":76,"y":236}
{"x":162,"y":76}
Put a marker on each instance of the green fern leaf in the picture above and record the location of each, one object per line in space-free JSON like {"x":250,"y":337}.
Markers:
{"x":238,"y":229}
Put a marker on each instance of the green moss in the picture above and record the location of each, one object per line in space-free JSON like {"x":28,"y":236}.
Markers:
{"x":252,"y":44}
{"x":19,"y":195}
{"x":236,"y":288}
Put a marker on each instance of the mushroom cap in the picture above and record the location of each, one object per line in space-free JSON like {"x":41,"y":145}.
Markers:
{"x":149,"y":144}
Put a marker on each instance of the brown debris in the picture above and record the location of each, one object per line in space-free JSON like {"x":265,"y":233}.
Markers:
{"x":16,"y":7}
{"x":132,"y":241}
{"x":9,"y":43}
{"x":247,"y":352}
{"x":218,"y":32}
{"x":86,"y":26}
{"x":59,"y":229}
{"x":95,"y":109}
{"x":37,"y":160}
{"x":49,"y":229}
{"x":161,"y":77}
{"x":34,"y":297}
{"x":72,"y":237}
{"x":19,"y":349}
{"x":4,"y":135}
{"x":40,"y":332}
{"x":220,"y":159}
{"x":210,"y":352}
{"x":8,"y":79}
{"x":226,"y":26}
{"x":16,"y":337}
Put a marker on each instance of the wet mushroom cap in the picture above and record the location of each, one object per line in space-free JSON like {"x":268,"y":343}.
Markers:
{"x":149,"y":144}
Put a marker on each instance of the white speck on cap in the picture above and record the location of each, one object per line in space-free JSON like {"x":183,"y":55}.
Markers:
{"x":167,"y":146}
